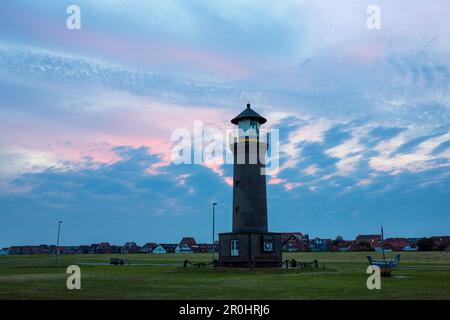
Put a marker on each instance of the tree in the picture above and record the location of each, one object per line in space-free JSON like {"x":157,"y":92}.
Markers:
{"x":425,"y":244}
{"x":338,"y":240}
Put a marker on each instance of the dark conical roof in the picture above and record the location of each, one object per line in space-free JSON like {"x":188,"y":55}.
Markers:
{"x":248,"y":113}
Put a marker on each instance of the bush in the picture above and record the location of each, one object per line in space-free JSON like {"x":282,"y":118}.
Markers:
{"x":425,"y":244}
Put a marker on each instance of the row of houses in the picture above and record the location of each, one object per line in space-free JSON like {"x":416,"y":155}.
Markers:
{"x":186,"y":245}
{"x":296,"y":241}
{"x":291,"y":242}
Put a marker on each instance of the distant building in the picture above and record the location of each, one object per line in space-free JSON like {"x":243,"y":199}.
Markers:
{"x":189,"y":241}
{"x":343,"y":246}
{"x":93,"y":248}
{"x":159,"y":249}
{"x":366,"y":242}
{"x":84,"y":249}
{"x":206,"y":247}
{"x":294,"y":241}
{"x":23,"y":250}
{"x":169,"y":247}
{"x":43,"y":249}
{"x":148,"y":247}
{"x":412,"y":244}
{"x":380,"y":249}
{"x":103,"y":248}
{"x":130,"y":247}
{"x":183,"y":248}
{"x":396,"y":244}
{"x":290,"y":242}
{"x":116,"y":249}
{"x":187,"y":245}
{"x":441,"y":243}
{"x":318,"y":244}
{"x":73,"y":250}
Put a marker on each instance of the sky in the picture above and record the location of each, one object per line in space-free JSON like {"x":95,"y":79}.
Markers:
{"x":87,"y":116}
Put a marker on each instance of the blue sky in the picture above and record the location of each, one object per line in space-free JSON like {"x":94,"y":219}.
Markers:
{"x":86,"y":116}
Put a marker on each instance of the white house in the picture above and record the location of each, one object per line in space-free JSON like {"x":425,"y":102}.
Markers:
{"x":159,"y":249}
{"x":183,"y":248}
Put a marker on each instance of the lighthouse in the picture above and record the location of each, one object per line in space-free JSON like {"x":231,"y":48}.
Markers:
{"x":249,"y":243}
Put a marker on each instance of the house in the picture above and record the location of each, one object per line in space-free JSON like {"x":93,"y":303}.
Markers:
{"x":318,"y":244}
{"x":130,"y":247}
{"x":412,"y":244}
{"x":410,"y":248}
{"x":396,"y":244}
{"x":379,"y":248}
{"x":93,"y":248}
{"x":4,"y":251}
{"x":73,"y":250}
{"x":294,"y":241}
{"x":62,"y":249}
{"x":187,"y":245}
{"x":168,"y":247}
{"x":23,"y":250}
{"x":159,"y":249}
{"x":103,"y":248}
{"x":148,"y":247}
{"x":206,"y":247}
{"x":441,"y":243}
{"x":84,"y":249}
{"x":43,"y":249}
{"x":116,"y":249}
{"x":366,"y":242}
{"x":15,"y":250}
{"x":183,"y":248}
{"x":343,"y":246}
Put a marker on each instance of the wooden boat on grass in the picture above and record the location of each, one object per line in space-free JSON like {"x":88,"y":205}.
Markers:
{"x":386,"y":266}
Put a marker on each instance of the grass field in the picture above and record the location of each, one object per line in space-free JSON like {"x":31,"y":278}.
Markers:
{"x":420,"y":275}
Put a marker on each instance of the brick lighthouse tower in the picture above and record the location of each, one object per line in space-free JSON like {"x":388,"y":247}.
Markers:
{"x":250,"y":243}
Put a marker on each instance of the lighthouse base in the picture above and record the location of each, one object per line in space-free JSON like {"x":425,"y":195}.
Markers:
{"x":259,"y":250}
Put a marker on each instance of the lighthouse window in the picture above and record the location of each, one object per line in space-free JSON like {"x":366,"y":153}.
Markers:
{"x":237,"y":210}
{"x":254,"y":126}
{"x":234,"y":246}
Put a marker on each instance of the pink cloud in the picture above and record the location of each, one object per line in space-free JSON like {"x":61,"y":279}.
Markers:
{"x":134,"y":51}
{"x":128,"y":121}
{"x":276,"y":181}
{"x":228,"y":181}
{"x":292,"y":185}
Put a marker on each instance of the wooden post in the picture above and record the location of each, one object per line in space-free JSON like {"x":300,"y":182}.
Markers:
{"x":250,"y":267}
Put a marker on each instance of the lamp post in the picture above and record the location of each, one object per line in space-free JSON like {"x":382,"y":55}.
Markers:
{"x":57,"y":243}
{"x":213,"y":228}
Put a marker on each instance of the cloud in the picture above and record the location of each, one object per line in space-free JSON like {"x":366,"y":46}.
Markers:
{"x":86,"y":117}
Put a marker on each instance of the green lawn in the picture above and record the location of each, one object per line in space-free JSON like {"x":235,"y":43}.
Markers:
{"x":421,"y":275}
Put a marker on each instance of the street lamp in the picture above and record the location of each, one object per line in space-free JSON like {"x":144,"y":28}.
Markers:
{"x":57,"y":243}
{"x":213,"y":228}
